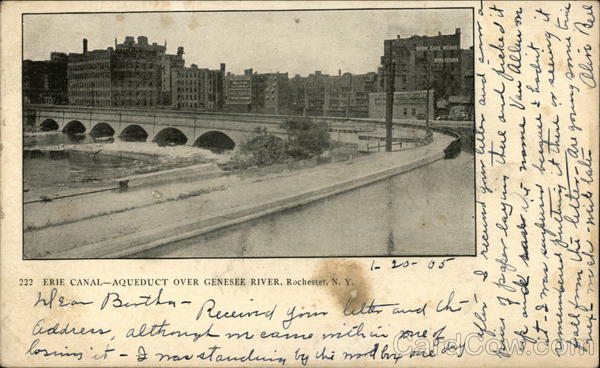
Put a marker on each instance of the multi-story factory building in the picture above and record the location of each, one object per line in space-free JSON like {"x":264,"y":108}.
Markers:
{"x":262,"y":93}
{"x":343,"y":95}
{"x":129,"y":75}
{"x":435,"y":63}
{"x":422,"y":62}
{"x":136,"y":73}
{"x":197,"y":88}
{"x":89,"y":76}
{"x":276,"y":93}
{"x":45,"y":82}
{"x":238,"y":92}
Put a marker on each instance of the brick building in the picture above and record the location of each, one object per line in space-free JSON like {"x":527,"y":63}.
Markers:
{"x":407,"y":105}
{"x":238,"y":92}
{"x":197,"y":88}
{"x":424,"y":62}
{"x":45,"y":82}
{"x":467,"y":71}
{"x":276,"y":93}
{"x":136,"y":73}
{"x":296,"y":86}
{"x":348,"y":94}
{"x":89,"y":75}
{"x":325,"y":95}
{"x":262,"y":93}
{"x":130,"y":74}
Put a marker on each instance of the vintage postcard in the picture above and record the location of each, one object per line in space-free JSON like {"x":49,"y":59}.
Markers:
{"x":299,"y":183}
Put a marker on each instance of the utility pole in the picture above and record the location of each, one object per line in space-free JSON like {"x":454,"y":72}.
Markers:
{"x":389,"y":102}
{"x":305,"y":91}
{"x":349,"y":98}
{"x":430,"y":85}
{"x":427,"y":111}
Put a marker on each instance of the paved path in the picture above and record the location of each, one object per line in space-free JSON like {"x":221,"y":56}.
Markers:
{"x":115,"y":225}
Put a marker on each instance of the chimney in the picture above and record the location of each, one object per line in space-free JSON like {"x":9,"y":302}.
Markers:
{"x":457,"y":31}
{"x":180,"y":50}
{"x":223,"y":68}
{"x":85,"y":47}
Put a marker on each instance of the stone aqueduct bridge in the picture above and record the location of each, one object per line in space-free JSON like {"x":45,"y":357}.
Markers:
{"x":190,"y":128}
{"x":193,"y":128}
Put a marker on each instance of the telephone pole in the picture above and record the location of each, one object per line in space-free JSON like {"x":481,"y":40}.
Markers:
{"x":349,"y":98}
{"x":389,"y":102}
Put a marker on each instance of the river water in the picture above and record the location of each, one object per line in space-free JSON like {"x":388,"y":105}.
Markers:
{"x":427,"y":211}
{"x":89,"y":164}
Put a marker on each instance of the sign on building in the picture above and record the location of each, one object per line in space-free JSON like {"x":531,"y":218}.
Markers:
{"x":239,"y":89}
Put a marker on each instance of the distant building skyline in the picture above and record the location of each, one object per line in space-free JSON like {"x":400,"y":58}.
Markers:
{"x":296,"y":42}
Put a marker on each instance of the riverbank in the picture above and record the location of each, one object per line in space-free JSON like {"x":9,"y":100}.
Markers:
{"x":64,"y":169}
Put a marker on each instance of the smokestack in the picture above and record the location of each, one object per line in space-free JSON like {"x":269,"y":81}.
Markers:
{"x":85,"y":47}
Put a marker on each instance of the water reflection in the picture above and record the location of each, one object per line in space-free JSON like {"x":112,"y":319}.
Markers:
{"x":55,"y":139}
{"x":55,"y":169}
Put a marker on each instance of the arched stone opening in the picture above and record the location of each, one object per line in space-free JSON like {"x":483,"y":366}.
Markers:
{"x":134,"y":133}
{"x":170,"y":137}
{"x":48,"y":125}
{"x":74,"y":127}
{"x":215,"y":141}
{"x":102,"y":130}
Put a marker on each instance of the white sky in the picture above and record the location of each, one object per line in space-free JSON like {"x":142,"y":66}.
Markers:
{"x":297,"y":42}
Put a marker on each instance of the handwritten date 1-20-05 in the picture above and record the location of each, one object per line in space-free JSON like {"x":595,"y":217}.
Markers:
{"x":410,"y":263}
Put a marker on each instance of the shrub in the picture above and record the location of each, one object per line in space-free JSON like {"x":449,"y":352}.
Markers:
{"x":305,"y":137}
{"x":265,"y":149}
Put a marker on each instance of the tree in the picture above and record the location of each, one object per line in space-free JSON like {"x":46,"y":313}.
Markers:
{"x":265,"y":149}
{"x":306,"y":137}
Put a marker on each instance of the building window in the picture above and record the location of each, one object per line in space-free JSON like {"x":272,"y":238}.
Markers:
{"x":414,"y":111}
{"x":404,"y":111}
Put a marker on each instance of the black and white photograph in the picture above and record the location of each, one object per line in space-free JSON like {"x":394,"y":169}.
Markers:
{"x":248,"y":134}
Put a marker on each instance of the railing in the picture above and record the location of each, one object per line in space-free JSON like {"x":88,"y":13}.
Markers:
{"x":399,"y":142}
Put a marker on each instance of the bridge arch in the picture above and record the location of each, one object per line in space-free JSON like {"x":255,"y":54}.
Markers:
{"x":74,"y":127}
{"x":134,"y":133}
{"x":215,"y":140}
{"x":171,"y":137}
{"x":48,"y":125}
{"x":102,"y":130}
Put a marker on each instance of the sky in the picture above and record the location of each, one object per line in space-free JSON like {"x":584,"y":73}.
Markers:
{"x":297,"y":42}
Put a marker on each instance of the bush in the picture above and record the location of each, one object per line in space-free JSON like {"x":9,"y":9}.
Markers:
{"x":264,"y":149}
{"x":306,"y":138}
